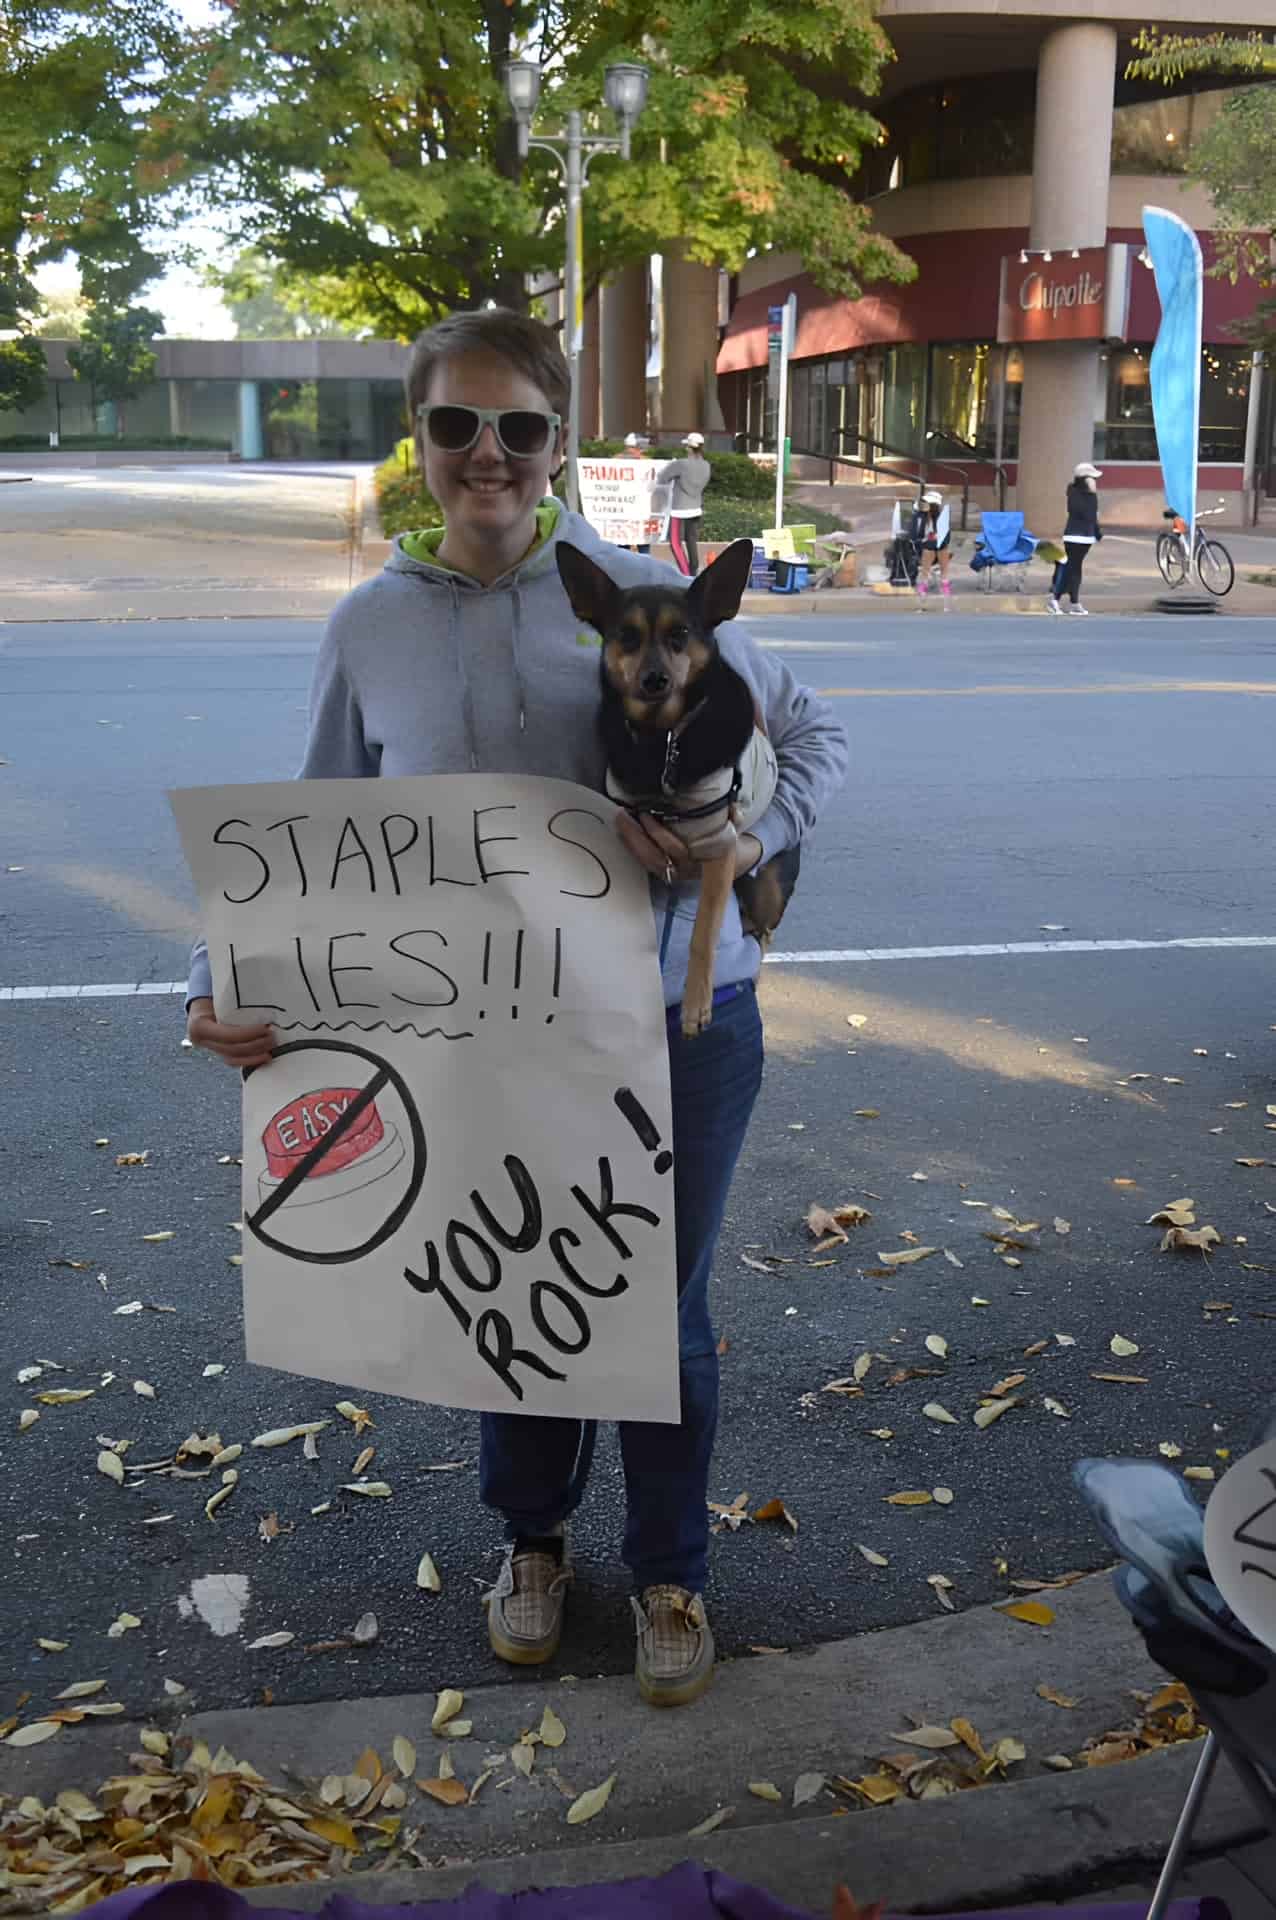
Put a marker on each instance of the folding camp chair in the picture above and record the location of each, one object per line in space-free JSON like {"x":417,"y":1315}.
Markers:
{"x":908,"y":530}
{"x":1150,"y":1517}
{"x":1003,"y":545}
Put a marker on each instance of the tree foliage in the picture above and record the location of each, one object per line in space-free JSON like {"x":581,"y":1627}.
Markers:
{"x":266,"y":306}
{"x":114,"y":353}
{"x":369,"y":153}
{"x":24,"y":377}
{"x":1235,"y":157}
{"x":76,"y":80}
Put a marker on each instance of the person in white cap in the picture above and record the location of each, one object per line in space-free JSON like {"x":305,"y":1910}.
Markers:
{"x":936,"y":539}
{"x":1079,"y":535}
{"x":690,"y":476}
{"x":637,"y":445}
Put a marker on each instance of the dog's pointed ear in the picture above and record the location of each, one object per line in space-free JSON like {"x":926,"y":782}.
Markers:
{"x":715,"y":594}
{"x":593,"y":593}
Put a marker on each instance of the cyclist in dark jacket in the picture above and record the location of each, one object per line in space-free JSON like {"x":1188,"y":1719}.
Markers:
{"x":1079,"y":535}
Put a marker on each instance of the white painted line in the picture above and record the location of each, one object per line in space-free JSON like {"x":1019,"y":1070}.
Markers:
{"x":850,"y":956}
{"x":815,"y":957}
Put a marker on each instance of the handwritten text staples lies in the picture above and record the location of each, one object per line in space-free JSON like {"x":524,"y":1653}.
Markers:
{"x":457,"y":1176}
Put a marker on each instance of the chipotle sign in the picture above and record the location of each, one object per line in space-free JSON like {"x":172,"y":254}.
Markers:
{"x":1082,"y":296}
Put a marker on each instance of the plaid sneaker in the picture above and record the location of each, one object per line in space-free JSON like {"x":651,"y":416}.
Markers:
{"x":674,"y":1664}
{"x":525,"y":1607}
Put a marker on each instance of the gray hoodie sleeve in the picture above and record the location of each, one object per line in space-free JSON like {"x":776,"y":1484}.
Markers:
{"x":810,"y":743}
{"x":335,"y":750}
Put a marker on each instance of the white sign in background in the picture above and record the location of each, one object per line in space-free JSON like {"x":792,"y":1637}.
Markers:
{"x":1240,"y":1541}
{"x":623,"y":501}
{"x":457,"y":1176}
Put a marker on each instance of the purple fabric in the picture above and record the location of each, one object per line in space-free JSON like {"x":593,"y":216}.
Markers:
{"x":687,"y":1893}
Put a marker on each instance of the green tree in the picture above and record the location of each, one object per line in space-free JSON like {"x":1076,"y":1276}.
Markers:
{"x":1235,"y":157}
{"x":114,"y":354}
{"x":24,"y":377}
{"x":265,"y":304}
{"x":63,"y":315}
{"x":77,"y":78}
{"x":369,"y":152}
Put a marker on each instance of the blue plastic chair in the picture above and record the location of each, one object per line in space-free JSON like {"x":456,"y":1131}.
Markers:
{"x":1003,"y":542}
{"x":1149,"y":1516}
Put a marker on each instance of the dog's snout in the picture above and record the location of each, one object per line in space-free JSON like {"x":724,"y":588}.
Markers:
{"x":655,"y":680}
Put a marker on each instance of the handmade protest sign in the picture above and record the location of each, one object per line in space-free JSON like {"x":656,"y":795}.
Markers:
{"x":1240,"y":1541}
{"x":623,"y":500}
{"x":457,"y":1176}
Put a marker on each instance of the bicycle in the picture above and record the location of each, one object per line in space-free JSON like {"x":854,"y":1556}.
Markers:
{"x":1213,"y":562}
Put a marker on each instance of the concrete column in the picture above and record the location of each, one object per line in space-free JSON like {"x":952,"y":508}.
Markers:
{"x":174,"y":408}
{"x":590,"y":367}
{"x":623,"y":346}
{"x":250,"y":440}
{"x":1071,"y":163}
{"x":689,"y":338}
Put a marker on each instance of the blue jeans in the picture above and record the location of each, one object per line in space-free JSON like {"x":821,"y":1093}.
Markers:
{"x":533,"y":1469}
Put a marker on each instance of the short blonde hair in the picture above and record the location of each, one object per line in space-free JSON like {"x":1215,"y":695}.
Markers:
{"x":528,"y":345}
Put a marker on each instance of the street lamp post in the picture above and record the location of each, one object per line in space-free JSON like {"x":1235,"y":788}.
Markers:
{"x":625,"y":91}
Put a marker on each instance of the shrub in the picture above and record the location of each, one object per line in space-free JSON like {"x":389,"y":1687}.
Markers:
{"x":403,"y":502}
{"x":129,"y":443}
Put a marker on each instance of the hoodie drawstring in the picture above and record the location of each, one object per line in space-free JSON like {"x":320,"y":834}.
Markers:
{"x":518,"y":663}
{"x":467,"y":695}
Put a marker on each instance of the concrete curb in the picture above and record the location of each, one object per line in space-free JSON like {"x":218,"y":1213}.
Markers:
{"x":1043,"y":1840}
{"x":831,"y":1709}
{"x":855,"y":602}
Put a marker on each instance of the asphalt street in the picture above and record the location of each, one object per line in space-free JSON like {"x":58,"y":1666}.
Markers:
{"x":1014,"y":781}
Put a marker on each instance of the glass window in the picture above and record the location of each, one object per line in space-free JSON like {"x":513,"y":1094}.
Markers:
{"x":1158,"y":135}
{"x":1127,"y":431}
{"x":960,"y":417}
{"x":903,"y":397}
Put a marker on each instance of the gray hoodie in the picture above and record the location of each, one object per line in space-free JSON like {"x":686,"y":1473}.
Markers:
{"x":690,"y":476}
{"x":422,"y":670}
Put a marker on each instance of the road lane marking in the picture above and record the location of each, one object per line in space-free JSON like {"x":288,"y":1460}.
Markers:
{"x":1018,"y":689}
{"x":813,"y":957}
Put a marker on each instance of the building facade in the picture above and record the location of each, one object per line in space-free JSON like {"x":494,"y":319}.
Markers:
{"x":1016,"y":161}
{"x":264,"y":399}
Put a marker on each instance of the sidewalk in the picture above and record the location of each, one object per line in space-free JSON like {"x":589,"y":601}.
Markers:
{"x":1041,"y":1836}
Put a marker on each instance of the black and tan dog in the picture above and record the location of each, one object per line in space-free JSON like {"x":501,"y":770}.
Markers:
{"x":678,"y":724}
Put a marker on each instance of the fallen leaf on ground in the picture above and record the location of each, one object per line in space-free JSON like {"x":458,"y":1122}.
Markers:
{"x":280,"y":1436}
{"x":446,"y":1707}
{"x":590,"y":1803}
{"x":271,"y":1640}
{"x":404,"y":1755}
{"x":1007,"y":1385}
{"x":1056,"y":1407}
{"x":906,"y":1258}
{"x":879,"y":1789}
{"x":553,"y":1732}
{"x":33,"y":1733}
{"x":775,"y":1510}
{"x":1034,"y":1613}
{"x":930,"y":1737}
{"x":1056,"y":1698}
{"x":807,"y":1787}
{"x":1247,"y":1160}
{"x":909,"y":1499}
{"x":941,"y":1585}
{"x":1180,"y":1239}
{"x":941,"y":1415}
{"x":1123,"y":1349}
{"x":951,"y":1258}
{"x":936,"y":1343}
{"x":863,"y":1362}
{"x":153,"y":1238}
{"x":710,"y":1825}
{"x":942,"y":1496}
{"x":984,"y":1416}
{"x":451,"y":1793}
{"x":366,"y":1630}
{"x":371,"y":1489}
{"x":111,"y":1465}
{"x":1062,"y":1226}
{"x":1199,"y":1473}
{"x":766,"y":1790}
{"x":427,"y":1575}
{"x":874,"y":1559}
{"x":1122,"y":1379}
{"x":122,"y":1624}
{"x":80,"y":1689}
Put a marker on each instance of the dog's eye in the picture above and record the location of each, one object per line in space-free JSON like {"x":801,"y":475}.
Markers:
{"x":678,"y":636}
{"x":631,"y":638}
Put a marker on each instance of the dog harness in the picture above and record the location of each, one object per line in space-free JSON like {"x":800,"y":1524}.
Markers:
{"x":709,"y":814}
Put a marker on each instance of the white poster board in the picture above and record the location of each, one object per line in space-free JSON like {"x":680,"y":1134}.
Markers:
{"x":1240,"y":1541}
{"x":457,"y":1176}
{"x":623,"y":501}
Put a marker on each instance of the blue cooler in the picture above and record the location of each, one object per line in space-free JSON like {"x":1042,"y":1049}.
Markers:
{"x":791,"y":576}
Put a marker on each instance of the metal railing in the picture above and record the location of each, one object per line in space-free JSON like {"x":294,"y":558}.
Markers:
{"x":955,"y":440}
{"x":747,"y":443}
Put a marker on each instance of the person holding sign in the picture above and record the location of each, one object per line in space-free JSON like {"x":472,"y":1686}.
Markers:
{"x":463,"y":655}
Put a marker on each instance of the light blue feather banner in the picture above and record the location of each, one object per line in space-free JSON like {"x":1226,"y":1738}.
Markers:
{"x":1176,"y":356}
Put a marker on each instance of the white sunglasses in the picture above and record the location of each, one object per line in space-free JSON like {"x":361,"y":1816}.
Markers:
{"x":521,"y":432}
